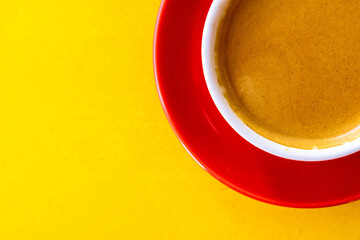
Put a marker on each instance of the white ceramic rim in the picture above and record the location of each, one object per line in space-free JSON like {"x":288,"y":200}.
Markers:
{"x":214,"y":16}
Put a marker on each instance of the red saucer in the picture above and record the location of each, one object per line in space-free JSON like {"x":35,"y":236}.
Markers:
{"x":214,"y":144}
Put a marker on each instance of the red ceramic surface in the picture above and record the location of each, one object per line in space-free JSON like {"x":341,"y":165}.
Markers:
{"x":214,"y":144}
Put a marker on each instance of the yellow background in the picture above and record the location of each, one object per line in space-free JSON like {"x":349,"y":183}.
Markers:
{"x":86,"y":151}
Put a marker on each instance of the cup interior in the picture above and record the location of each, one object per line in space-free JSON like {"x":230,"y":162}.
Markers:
{"x":215,"y":14}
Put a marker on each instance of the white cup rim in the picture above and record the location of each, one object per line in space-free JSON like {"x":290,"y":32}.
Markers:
{"x":213,"y":18}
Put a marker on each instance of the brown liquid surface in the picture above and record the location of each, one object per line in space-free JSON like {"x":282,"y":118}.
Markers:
{"x":291,"y":69}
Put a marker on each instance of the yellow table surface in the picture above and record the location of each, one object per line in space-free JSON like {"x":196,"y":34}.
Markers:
{"x":86,"y":150}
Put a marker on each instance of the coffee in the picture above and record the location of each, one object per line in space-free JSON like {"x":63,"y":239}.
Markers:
{"x":291,"y":69}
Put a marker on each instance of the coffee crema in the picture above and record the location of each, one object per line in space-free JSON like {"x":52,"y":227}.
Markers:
{"x":291,"y":69}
